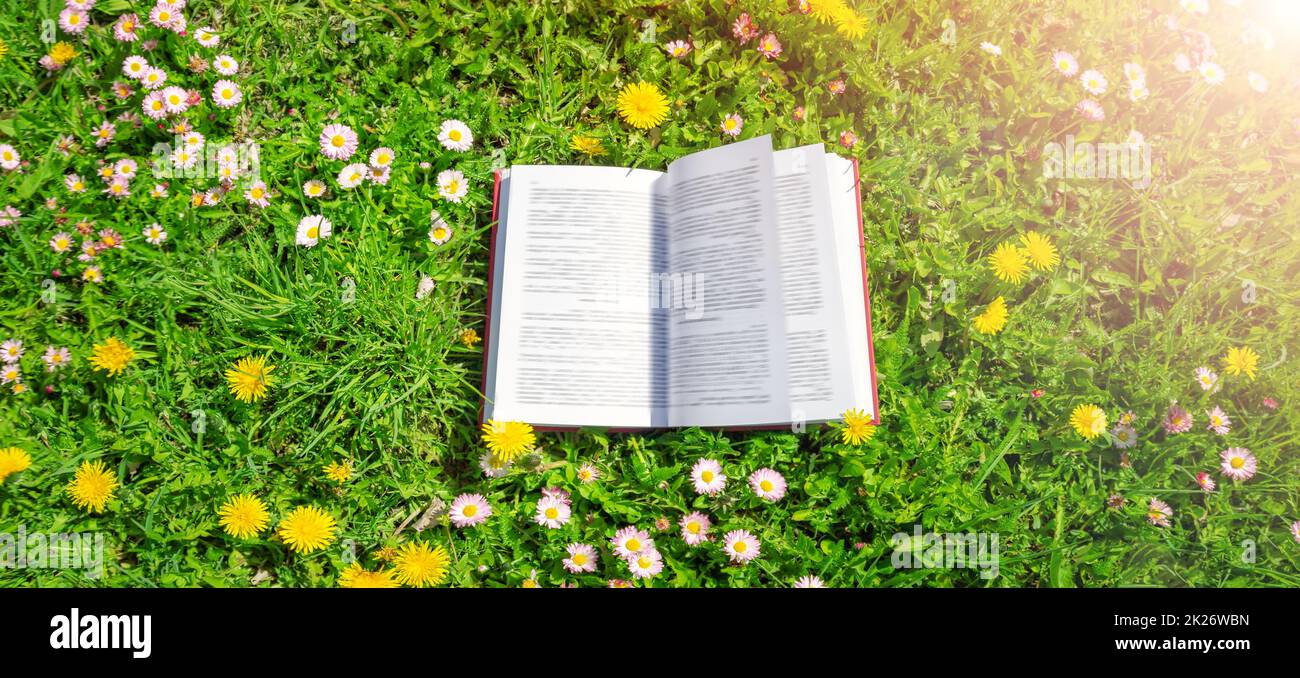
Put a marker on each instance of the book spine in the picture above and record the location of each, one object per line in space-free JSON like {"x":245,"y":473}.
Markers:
{"x":866,"y":296}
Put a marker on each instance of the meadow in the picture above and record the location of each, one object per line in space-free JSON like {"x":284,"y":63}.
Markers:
{"x":1099,"y":370}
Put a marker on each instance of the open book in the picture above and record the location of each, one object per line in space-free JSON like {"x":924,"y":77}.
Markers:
{"x":729,"y":291}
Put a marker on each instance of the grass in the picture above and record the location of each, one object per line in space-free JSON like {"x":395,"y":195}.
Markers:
{"x":1149,"y":288}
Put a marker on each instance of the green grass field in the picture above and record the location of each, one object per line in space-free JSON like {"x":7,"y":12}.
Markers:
{"x":1154,"y":281}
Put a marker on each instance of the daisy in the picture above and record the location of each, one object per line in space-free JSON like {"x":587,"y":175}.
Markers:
{"x":11,"y":373}
{"x":1177,"y":419}
{"x":438,"y":230}
{"x":1093,"y":82}
{"x":119,"y":187}
{"x":257,"y":195}
{"x":508,"y":440}
{"x":1295,"y":531}
{"x":587,"y":474}
{"x":769,"y":46}
{"x":1257,"y":82}
{"x":678,"y":48}
{"x":630,"y":541}
{"x":1219,"y":421}
{"x":646,"y":564}
{"x":153,"y":106}
{"x":1088,"y":421}
{"x":767,"y":484}
{"x":381,"y":157}
{"x":125,"y":26}
{"x":110,"y":239}
{"x":104,"y":133}
{"x":452,"y":185}
{"x":312,"y":229}
{"x":557,"y":493}
{"x":307,"y":529}
{"x":135,"y":67}
{"x":1009,"y":263}
{"x":122,"y":90}
{"x":695,"y":528}
{"x":227,"y":174}
{"x":422,"y":290}
{"x":313,"y":188}
{"x":1205,"y":481}
{"x":11,"y":351}
{"x":73,"y":21}
{"x":176,"y":99}
{"x":809,"y":582}
{"x":226,"y":94}
{"x":1213,"y":73}
{"x":225,"y":65}
{"x":207,"y":37}
{"x":744,"y":28}
{"x":154,"y":234}
{"x":836,"y":87}
{"x":153,"y":78}
{"x":1125,"y":437}
{"x":468,"y":510}
{"x":249,"y":379}
{"x":379,"y":175}
{"x":1158,"y":513}
{"x":352,"y":175}
{"x":732,"y":124}
{"x":741,"y":546}
{"x":708,"y":477}
{"x":92,"y":486}
{"x":89,"y":250}
{"x":1241,"y":360}
{"x":582,"y":558}
{"x":183,"y":158}
{"x":195,"y":141}
{"x":243,"y":516}
{"x":990,"y":48}
{"x":485,"y":460}
{"x":454,"y":135}
{"x":9,"y":216}
{"x":338,"y":142}
{"x":848,"y":139}
{"x":1091,"y":110}
{"x":552,"y":513}
{"x":163,"y":16}
{"x":642,"y":105}
{"x":158,"y":191}
{"x":994,"y":317}
{"x":61,"y":242}
{"x":1065,"y":63}
{"x":1238,"y":463}
{"x":1134,"y":73}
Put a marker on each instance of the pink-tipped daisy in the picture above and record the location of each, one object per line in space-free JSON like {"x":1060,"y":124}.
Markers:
{"x":708,"y":477}
{"x":677,"y":48}
{"x":226,"y":94}
{"x":695,"y":528}
{"x":225,"y":65}
{"x":1207,"y":378}
{"x":73,"y":20}
{"x":630,"y":541}
{"x":552,"y":513}
{"x":732,"y":124}
{"x":767,"y":484}
{"x":135,"y":67}
{"x":124,"y":29}
{"x":56,"y":358}
{"x":455,"y":135}
{"x":741,"y":546}
{"x":809,"y":582}
{"x":469,"y":510}
{"x":382,"y":157}
{"x":1205,"y":481}
{"x":338,"y":142}
{"x":153,"y":78}
{"x":61,"y":242}
{"x":645,"y":564}
{"x":353,"y":175}
{"x":1158,"y":513}
{"x":207,"y":36}
{"x":582,"y":558}
{"x":587,"y":474}
{"x":11,"y":351}
{"x":1065,"y":63}
{"x":1177,"y":420}
{"x":1295,"y":531}
{"x":175,"y":99}
{"x":452,"y":185}
{"x":1219,"y":421}
{"x":257,"y":194}
{"x":1238,"y":463}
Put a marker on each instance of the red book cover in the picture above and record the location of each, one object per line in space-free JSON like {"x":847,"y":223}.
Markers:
{"x":487,"y":322}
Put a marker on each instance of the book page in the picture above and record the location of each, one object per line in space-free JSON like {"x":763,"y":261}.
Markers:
{"x":845,"y":211}
{"x":727,"y":354}
{"x":578,"y":343}
{"x":821,"y":386}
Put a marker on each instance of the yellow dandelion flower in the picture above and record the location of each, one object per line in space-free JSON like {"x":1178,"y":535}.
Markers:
{"x":1040,"y":250}
{"x":112,"y":356}
{"x":13,"y":460}
{"x":92,"y":486}
{"x":858,"y":427}
{"x":470,"y":338}
{"x":642,"y":105}
{"x":1088,"y":420}
{"x":850,"y":24}
{"x":62,"y":52}
{"x":1241,"y":360}
{"x":994,"y":317}
{"x":243,"y":516}
{"x":356,"y":577}
{"x":307,"y":529}
{"x":338,"y":472}
{"x":508,"y":440}
{"x":587,"y":145}
{"x":420,"y":565}
{"x":1009,"y":263}
{"x":386,"y":554}
{"x":249,"y":379}
{"x":825,"y":11}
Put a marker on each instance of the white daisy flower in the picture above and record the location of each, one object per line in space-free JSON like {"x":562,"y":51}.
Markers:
{"x":352,"y":175}
{"x":226,"y":94}
{"x":381,"y":157}
{"x":154,"y":234}
{"x":439,"y":231}
{"x":452,"y":185}
{"x":225,"y":65}
{"x":313,"y":188}
{"x":1213,"y":73}
{"x":207,"y":37}
{"x":455,"y":135}
{"x":135,"y":67}
{"x":312,"y":229}
{"x":1094,"y":82}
